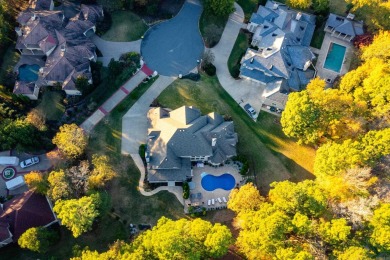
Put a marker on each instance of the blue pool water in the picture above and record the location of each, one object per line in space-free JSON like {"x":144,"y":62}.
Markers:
{"x":335,"y":57}
{"x":210,"y":182}
{"x":28,"y":73}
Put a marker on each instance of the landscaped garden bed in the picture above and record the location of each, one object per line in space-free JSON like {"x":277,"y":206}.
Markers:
{"x":9,"y":173}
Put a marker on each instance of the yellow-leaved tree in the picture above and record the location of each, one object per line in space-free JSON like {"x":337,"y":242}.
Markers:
{"x":71,"y":140}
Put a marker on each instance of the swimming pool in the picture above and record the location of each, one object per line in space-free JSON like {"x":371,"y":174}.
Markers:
{"x":210,"y":182}
{"x":334,"y":59}
{"x":28,"y":73}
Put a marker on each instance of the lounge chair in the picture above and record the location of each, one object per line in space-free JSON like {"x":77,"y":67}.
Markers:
{"x":208,"y":202}
{"x":224,"y":199}
{"x":212,"y":201}
{"x":219,"y":200}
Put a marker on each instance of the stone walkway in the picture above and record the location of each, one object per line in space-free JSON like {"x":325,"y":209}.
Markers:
{"x":115,"y":99}
{"x":114,"y":50}
{"x":242,"y":91}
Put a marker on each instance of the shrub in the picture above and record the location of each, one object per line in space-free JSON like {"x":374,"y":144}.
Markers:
{"x":186,"y":190}
{"x":210,"y":69}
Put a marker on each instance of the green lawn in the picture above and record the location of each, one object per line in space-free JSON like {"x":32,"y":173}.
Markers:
{"x":211,"y":28}
{"x":239,"y":49}
{"x":249,"y":7}
{"x":338,"y":7}
{"x":318,"y":37}
{"x":126,"y":26}
{"x":272,"y":156}
{"x":51,"y":105}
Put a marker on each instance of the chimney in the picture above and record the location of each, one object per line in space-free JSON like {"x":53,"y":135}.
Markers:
{"x":213,"y":142}
{"x":18,"y":31}
{"x":33,"y":17}
{"x":275,"y":6}
{"x":299,"y":15}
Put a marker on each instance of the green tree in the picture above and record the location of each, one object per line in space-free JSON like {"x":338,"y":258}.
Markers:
{"x":380,"y":224}
{"x":71,"y":140}
{"x":247,"y":198}
{"x":219,"y":7}
{"x":302,"y":4}
{"x":36,"y":181}
{"x":78,"y":215}
{"x":83,"y":85}
{"x":102,"y":172}
{"x":59,"y":185}
{"x":36,"y":239}
{"x":321,"y":6}
{"x":18,"y":134}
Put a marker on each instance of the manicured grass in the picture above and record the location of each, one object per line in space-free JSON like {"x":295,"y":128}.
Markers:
{"x":338,"y":7}
{"x":318,"y":37}
{"x":239,"y":49}
{"x":211,"y":28}
{"x":126,"y":26}
{"x":272,"y":156}
{"x":51,"y":105}
{"x":248,"y":6}
{"x":11,"y":57}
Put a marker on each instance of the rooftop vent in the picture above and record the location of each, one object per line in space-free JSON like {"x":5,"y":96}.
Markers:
{"x":274,"y":34}
{"x":63,"y":48}
{"x":251,"y":61}
{"x":350,"y":16}
{"x":269,"y":49}
{"x":213,"y":141}
{"x":299,"y":15}
{"x":33,"y":17}
{"x":275,"y":6}
{"x":266,"y":26}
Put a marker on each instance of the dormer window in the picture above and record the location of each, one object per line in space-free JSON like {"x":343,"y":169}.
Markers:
{"x":269,"y":49}
{"x":298,"y":39}
{"x":266,"y":26}
{"x":302,"y":28}
{"x":274,"y":34}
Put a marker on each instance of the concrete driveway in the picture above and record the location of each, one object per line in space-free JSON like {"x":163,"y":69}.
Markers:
{"x":242,"y":91}
{"x":173,"y":47}
{"x":114,"y":49}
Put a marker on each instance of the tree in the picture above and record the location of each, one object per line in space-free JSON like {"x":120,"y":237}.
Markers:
{"x":208,"y":58}
{"x":335,"y":232}
{"x":356,"y":253}
{"x":379,"y":48}
{"x":78,"y":215}
{"x":300,"y":118}
{"x":219,"y":7}
{"x":79,"y":176}
{"x":321,"y":6}
{"x":102,"y":172}
{"x":37,"y":118}
{"x":247,"y":198}
{"x":380,"y":224}
{"x":302,"y":4}
{"x":36,"y":239}
{"x":83,"y":85}
{"x":18,"y":134}
{"x":71,"y":140}
{"x":59,"y":185}
{"x":37,"y":182}
{"x":292,"y":253}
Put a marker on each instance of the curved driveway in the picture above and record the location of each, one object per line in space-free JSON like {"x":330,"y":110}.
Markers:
{"x":173,"y":47}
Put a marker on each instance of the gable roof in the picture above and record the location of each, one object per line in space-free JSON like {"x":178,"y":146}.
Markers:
{"x":26,"y":211}
{"x":345,"y":25}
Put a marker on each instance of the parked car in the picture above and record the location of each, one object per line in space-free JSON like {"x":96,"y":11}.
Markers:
{"x":250,"y":110}
{"x":29,"y":162}
{"x":272,"y":109}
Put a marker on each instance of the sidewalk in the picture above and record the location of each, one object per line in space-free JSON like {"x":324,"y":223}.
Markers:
{"x":115,"y":99}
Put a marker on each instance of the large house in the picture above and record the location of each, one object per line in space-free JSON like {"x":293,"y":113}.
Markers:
{"x":23,"y":212}
{"x":280,"y":58}
{"x":183,"y":136}
{"x":345,"y":28}
{"x":55,"y":49}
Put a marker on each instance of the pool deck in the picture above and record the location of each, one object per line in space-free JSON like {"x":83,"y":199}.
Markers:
{"x":218,"y":193}
{"x":330,"y":74}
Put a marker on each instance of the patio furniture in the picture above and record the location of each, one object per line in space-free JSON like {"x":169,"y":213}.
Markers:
{"x":212,"y":201}
{"x":219,"y":200}
{"x":208,"y":202}
{"x":224,"y":199}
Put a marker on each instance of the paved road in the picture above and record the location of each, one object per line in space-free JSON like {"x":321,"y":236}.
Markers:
{"x":242,"y":91}
{"x":134,"y":122}
{"x":173,"y":47}
{"x":114,"y":49}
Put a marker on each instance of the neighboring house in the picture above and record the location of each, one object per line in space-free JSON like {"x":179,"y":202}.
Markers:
{"x":183,"y":136}
{"x":283,"y":58}
{"x":62,"y":45}
{"x":345,"y":28}
{"x":23,"y":212}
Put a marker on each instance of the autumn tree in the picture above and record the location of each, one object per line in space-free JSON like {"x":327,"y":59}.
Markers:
{"x":71,"y":140}
{"x":380,"y":224}
{"x":59,"y":187}
{"x":219,"y":7}
{"x":335,"y":232}
{"x":356,"y":253}
{"x":379,"y":48}
{"x":36,"y":181}
{"x":247,"y":198}
{"x":37,"y":118}
{"x":78,"y":215}
{"x":302,"y":4}
{"x":102,"y":172}
{"x":36,"y":239}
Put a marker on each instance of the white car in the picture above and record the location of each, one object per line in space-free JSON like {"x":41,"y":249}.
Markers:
{"x":249,"y":109}
{"x":29,"y":162}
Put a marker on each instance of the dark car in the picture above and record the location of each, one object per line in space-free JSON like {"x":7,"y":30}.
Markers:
{"x":250,"y":110}
{"x":272,"y":109}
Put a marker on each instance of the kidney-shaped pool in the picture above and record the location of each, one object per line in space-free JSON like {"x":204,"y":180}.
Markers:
{"x":210,"y":182}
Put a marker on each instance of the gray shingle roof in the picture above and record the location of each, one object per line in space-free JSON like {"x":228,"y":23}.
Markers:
{"x":344,"y":25}
{"x":186,"y":133}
